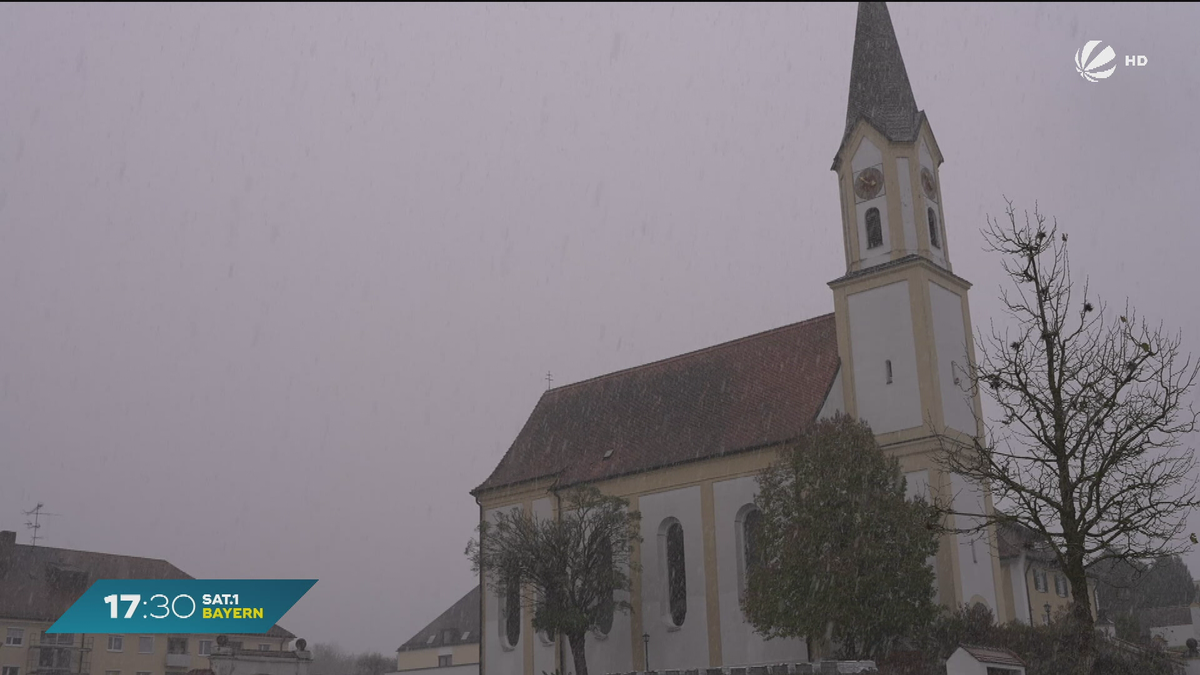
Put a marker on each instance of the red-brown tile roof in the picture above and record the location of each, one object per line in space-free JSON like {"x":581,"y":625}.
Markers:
{"x":1014,"y":538}
{"x":461,"y":620}
{"x":748,"y":393}
{"x":993,"y":655}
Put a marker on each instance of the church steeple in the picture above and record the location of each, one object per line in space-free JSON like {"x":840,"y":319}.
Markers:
{"x":879,"y":88}
{"x":888,"y":160}
{"x":903,"y":321}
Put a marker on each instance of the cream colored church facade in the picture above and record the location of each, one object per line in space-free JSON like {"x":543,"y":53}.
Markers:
{"x":682,"y":439}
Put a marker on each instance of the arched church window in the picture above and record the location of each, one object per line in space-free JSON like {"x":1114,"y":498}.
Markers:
{"x":676,"y":572}
{"x":874,"y":229}
{"x":510,"y":612}
{"x":749,"y":523}
{"x":933,"y":229}
{"x":608,"y":605}
{"x":545,"y":635}
{"x":752,"y":545}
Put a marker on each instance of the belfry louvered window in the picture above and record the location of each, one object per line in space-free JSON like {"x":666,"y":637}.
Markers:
{"x":874,"y":229}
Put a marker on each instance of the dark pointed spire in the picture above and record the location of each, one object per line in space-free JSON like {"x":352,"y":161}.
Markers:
{"x":879,"y":88}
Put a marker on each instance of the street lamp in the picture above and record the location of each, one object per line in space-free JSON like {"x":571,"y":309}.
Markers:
{"x":646,"y":647}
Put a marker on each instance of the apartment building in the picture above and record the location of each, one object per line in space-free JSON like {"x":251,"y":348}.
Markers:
{"x":39,"y":583}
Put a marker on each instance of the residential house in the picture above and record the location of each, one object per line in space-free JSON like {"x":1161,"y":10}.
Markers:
{"x":1033,"y":583}
{"x":683,"y":438}
{"x":449,"y":643}
{"x":39,"y":583}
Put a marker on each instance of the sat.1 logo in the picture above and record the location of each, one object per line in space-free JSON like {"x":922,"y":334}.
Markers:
{"x":1092,"y":68}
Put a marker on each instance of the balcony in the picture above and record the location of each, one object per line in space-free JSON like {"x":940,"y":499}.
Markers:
{"x":59,"y":654}
{"x":179,"y":661}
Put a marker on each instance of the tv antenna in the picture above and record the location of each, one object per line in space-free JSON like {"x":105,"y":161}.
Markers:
{"x":37,"y":513}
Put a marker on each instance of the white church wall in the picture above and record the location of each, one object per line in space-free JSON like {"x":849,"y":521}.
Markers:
{"x":740,"y":645}
{"x":607,"y":652}
{"x":674,"y":647}
{"x":868,"y":155}
{"x":1016,"y":571}
{"x":835,"y":402}
{"x":906,"y":205}
{"x":882,"y":331}
{"x":917,"y":485}
{"x":499,"y":656}
{"x":925,"y":160}
{"x":950,"y":340}
{"x":611,"y":653}
{"x":974,"y":550}
{"x":544,"y":656}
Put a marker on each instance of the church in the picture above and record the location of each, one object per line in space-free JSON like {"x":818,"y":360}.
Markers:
{"x":683,"y":438}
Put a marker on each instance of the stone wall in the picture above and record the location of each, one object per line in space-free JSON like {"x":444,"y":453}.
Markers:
{"x":821,"y":668}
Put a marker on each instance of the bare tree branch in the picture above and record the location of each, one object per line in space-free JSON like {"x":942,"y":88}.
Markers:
{"x":1087,"y":448}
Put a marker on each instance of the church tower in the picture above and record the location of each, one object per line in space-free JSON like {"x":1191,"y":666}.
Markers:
{"x":903,"y":323}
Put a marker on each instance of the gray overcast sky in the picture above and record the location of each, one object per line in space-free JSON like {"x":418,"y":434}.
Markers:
{"x":279,"y":284}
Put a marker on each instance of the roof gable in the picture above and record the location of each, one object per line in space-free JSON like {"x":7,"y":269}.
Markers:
{"x":462,"y":620}
{"x":748,"y":393}
{"x":993,"y":655}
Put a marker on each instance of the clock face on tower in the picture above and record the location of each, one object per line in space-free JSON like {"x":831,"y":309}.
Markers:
{"x":868,"y":184}
{"x":928,"y":184}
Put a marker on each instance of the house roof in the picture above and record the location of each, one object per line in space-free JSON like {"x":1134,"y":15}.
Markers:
{"x":39,"y":583}
{"x":994,"y":655}
{"x":752,"y":392}
{"x":1159,"y":617}
{"x":462,"y":620}
{"x":1013,"y":538}
{"x":879,"y":88}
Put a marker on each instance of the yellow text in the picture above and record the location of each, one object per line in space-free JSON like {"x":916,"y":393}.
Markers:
{"x":232,"y":612}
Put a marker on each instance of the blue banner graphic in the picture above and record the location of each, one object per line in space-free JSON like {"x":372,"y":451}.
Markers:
{"x":182,"y":606}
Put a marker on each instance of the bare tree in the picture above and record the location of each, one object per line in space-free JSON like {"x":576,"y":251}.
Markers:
{"x":373,"y":663}
{"x":1086,"y":450}
{"x":331,"y":659}
{"x":568,"y":569}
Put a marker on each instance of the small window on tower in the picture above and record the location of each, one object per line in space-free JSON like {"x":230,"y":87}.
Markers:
{"x":888,"y":363}
{"x":933,"y":229}
{"x":874,"y":229}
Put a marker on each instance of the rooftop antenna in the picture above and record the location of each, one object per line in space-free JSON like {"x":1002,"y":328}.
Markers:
{"x":549,"y":380}
{"x":36,"y":524}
